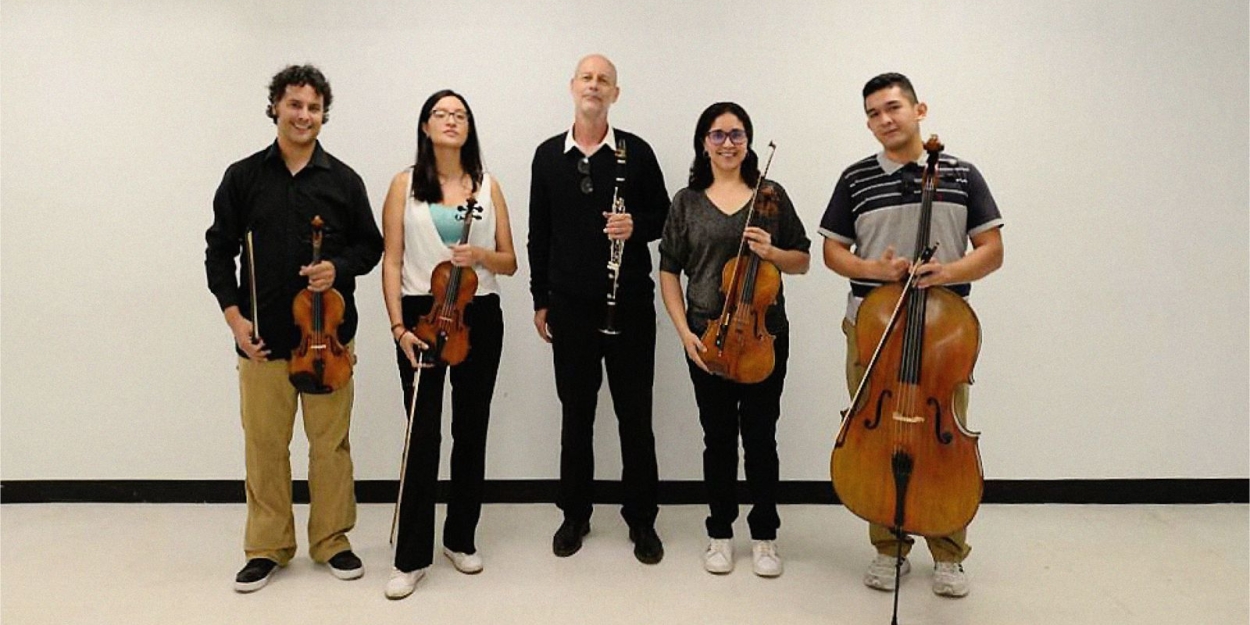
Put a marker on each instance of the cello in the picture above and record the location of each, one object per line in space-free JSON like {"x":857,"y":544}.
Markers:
{"x":320,"y":364}
{"x":443,"y":328}
{"x":739,"y":346}
{"x":901,"y":458}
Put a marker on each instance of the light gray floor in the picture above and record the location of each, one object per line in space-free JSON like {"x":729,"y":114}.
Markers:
{"x":1037,"y":564}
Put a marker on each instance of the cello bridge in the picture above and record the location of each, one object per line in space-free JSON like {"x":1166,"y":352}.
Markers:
{"x":898,"y":416}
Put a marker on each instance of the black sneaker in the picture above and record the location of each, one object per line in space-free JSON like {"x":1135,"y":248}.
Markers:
{"x":345,"y":565}
{"x":647,"y":546}
{"x":254,"y":575}
{"x":568,"y":538}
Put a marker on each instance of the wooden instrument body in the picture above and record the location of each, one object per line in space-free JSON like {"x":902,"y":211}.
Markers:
{"x":912,"y":421}
{"x":443,"y":328}
{"x":320,"y":364}
{"x":738,"y":344}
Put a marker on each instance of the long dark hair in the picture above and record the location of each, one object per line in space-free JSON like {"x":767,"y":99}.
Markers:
{"x":701,"y":168}
{"x":425,"y":184}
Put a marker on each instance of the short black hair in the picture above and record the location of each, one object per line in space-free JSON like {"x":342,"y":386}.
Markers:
{"x":298,"y":76}
{"x":887,"y":80}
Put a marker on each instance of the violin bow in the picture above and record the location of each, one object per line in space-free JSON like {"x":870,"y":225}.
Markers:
{"x":403,"y":464}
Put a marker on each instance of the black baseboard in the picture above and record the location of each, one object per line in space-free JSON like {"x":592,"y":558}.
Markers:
{"x":674,"y":492}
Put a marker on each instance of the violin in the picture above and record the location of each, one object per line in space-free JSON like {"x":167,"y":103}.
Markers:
{"x":739,"y":346}
{"x":443,"y":328}
{"x":320,"y":364}
{"x":901,"y":458}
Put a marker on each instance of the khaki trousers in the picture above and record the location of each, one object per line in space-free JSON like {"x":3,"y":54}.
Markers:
{"x":952,"y":548}
{"x":267,"y":402}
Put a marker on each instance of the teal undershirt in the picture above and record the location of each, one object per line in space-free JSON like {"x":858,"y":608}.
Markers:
{"x":447,"y":222}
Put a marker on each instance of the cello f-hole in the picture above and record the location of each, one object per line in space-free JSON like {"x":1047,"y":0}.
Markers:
{"x":876,"y":420}
{"x":943,"y":436}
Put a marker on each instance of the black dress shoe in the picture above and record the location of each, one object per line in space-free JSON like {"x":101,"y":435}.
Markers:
{"x":345,"y":565}
{"x":254,"y":575}
{"x":647,"y":546}
{"x":568,"y":538}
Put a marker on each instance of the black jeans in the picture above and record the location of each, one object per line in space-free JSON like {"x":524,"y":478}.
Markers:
{"x":727,"y":409}
{"x":472,"y":387}
{"x":577,"y":350}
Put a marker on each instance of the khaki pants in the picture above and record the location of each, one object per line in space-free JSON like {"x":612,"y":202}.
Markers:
{"x":952,"y":548}
{"x":267,"y":402}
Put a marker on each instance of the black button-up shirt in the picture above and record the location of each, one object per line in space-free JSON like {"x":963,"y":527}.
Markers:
{"x":260,"y":194}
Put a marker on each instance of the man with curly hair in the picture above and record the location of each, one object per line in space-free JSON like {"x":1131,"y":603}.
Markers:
{"x":263,"y":210}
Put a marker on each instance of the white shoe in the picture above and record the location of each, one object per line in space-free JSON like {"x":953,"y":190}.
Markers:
{"x":402,"y":584}
{"x":467,"y":563}
{"x":880,"y":574}
{"x":949,"y":579}
{"x":719,"y":557}
{"x":765,"y":561}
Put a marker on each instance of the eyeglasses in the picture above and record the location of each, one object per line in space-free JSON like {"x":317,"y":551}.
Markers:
{"x":583,"y":168}
{"x":737,"y":136}
{"x":442,"y":115}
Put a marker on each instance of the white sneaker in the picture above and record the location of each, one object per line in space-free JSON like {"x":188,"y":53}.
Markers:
{"x":402,"y":584}
{"x":880,"y":574}
{"x":949,"y":579}
{"x":765,"y":561}
{"x":467,"y":563}
{"x":719,"y":557}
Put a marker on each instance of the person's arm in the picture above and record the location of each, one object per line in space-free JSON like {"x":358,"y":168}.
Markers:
{"x":675,"y":304}
{"x":393,"y":266}
{"x":652,"y":198}
{"x":838,"y":227}
{"x":788,"y":261}
{"x":887,"y":268}
{"x":986,"y":257}
{"x":985,"y":233}
{"x":789,"y":250}
{"x":223,"y":245}
{"x":539,"y":245}
{"x":363,"y":246}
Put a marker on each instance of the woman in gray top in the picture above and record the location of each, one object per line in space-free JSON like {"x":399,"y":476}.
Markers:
{"x":705,"y":224}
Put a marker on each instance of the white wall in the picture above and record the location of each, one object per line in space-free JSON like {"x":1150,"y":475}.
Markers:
{"x":1113,"y":134}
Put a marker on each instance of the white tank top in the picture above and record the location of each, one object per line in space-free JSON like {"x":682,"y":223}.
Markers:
{"x":424,"y":249}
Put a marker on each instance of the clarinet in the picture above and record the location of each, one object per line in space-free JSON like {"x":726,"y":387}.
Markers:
{"x":617,"y":249}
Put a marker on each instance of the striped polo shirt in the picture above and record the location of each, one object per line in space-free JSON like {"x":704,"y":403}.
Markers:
{"x":876,"y":204}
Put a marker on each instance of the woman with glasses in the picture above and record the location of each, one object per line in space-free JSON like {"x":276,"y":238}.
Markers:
{"x":422,"y":224}
{"x":706,"y":223}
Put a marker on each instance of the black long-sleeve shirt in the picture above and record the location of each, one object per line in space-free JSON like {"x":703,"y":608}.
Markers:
{"x":568,"y":250}
{"x":259,"y":194}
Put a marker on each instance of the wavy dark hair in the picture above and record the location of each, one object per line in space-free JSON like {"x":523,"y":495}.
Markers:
{"x":887,"y":80}
{"x":701,"y":168}
{"x":425,"y":184}
{"x":298,"y":76}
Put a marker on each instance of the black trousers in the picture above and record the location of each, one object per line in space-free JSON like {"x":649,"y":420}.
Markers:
{"x":472,"y":387}
{"x":728,"y":409}
{"x":578,"y":349}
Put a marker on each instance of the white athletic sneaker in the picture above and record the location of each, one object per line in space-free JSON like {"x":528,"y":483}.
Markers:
{"x":949,"y":579}
{"x":467,"y":563}
{"x":402,"y":584}
{"x":880,"y":574}
{"x":765,"y":561}
{"x":719,"y":557}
